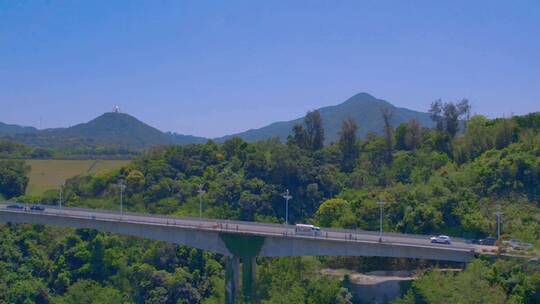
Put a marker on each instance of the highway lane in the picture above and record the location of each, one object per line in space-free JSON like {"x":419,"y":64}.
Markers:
{"x":252,"y":228}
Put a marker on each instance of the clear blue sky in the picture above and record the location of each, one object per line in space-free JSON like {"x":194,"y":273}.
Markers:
{"x":212,"y":68}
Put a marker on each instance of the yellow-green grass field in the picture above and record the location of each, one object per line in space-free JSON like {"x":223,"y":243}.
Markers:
{"x":48,"y":174}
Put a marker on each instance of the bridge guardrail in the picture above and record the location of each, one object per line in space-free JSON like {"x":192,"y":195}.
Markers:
{"x":156,"y":219}
{"x":346,"y":231}
{"x":395,"y":234}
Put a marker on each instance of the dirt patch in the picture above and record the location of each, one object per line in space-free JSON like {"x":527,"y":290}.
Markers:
{"x":375,"y":286}
{"x":373,"y":277}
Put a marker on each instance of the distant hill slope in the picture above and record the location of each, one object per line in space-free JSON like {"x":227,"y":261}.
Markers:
{"x":109,"y":129}
{"x":115,"y":129}
{"x":181,"y":139}
{"x":6,"y":130}
{"x":363,"y":108}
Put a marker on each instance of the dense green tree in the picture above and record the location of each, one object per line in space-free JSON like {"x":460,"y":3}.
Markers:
{"x":135,"y":181}
{"x":500,"y":282}
{"x":447,"y":115}
{"x":413,"y":135}
{"x":388,"y":135}
{"x":400,"y":135}
{"x":300,"y":137}
{"x":28,"y":291}
{"x":10,"y":149}
{"x":301,"y":282}
{"x":90,"y":292}
{"x":314,"y":129}
{"x":13,"y":177}
{"x":348,"y":145}
{"x":505,"y":133}
{"x":477,"y":139}
{"x":336,"y":212}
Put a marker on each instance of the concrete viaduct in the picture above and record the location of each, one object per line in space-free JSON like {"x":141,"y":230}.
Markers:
{"x":242,"y":242}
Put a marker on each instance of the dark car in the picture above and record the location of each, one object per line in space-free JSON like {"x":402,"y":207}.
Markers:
{"x":37,"y":208}
{"x":16,"y":206}
{"x":490,"y":241}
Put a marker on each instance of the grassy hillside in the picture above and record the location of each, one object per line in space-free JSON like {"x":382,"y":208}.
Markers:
{"x":47,"y":174}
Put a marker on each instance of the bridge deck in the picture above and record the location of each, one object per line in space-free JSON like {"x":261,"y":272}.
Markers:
{"x":282,"y":236}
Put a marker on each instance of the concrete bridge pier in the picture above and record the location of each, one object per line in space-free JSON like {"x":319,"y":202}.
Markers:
{"x":249,"y":279}
{"x":245,"y":249}
{"x":232,"y":279}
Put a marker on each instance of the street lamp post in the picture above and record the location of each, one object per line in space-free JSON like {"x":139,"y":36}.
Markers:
{"x":62,"y":184}
{"x":287,"y":197}
{"x":381,"y":204}
{"x":122,"y":187}
{"x":201,"y":193}
{"x":498,"y":214}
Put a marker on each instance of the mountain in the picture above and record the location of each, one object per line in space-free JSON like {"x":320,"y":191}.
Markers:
{"x":6,"y":130}
{"x":110,"y":130}
{"x":363,"y":108}
{"x":125,"y":131}
{"x":181,"y":139}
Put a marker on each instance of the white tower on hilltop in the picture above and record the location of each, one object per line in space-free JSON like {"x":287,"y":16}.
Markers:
{"x":116,"y":109}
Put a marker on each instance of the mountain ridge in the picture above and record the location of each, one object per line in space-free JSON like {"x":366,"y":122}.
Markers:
{"x":123,"y":130}
{"x":362,"y":107}
{"x":109,"y":129}
{"x":12,"y":129}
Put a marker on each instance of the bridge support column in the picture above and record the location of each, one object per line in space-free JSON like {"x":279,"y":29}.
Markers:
{"x":244,"y":248}
{"x":232,"y":279}
{"x":249,"y":279}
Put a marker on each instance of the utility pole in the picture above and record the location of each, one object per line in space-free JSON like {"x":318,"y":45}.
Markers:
{"x":62,"y":184}
{"x":287,"y":197}
{"x":122,"y":187}
{"x":381,"y":204}
{"x":201,"y":193}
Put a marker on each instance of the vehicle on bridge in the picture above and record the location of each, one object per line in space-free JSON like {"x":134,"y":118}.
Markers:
{"x":441,"y":239}
{"x":37,"y":208}
{"x":305,"y":229}
{"x":489,"y":241}
{"x":16,"y":206}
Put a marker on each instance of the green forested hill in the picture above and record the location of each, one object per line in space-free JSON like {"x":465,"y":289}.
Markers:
{"x":108,"y":130}
{"x":118,"y":130}
{"x":115,"y":129}
{"x":363,"y":108}
{"x":7,"y":129}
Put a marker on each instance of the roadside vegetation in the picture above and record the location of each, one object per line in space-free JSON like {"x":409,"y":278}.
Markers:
{"x":481,"y":282}
{"x":445,"y":180}
{"x":10,"y":149}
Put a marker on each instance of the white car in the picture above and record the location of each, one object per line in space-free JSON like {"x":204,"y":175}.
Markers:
{"x":441,"y":239}
{"x":305,"y":229}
